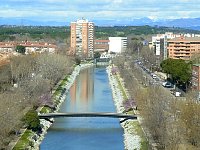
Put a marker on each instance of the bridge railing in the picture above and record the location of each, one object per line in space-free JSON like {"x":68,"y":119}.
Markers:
{"x":87,"y":114}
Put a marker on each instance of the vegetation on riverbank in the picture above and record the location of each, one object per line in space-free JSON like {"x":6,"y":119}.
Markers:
{"x":169,"y":122}
{"x":144,"y":142}
{"x":25,"y":139}
{"x":30,"y":81}
{"x":58,"y":95}
{"x":125,"y":97}
{"x":133,"y":126}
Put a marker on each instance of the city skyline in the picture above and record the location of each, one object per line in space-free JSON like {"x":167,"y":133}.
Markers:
{"x":67,"y":11}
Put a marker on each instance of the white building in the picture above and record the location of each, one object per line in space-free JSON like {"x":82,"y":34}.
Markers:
{"x":159,"y":42}
{"x":117,"y":44}
{"x":31,"y":47}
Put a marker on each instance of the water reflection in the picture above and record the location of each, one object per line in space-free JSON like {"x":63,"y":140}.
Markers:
{"x":83,"y":91}
{"x":90,"y":93}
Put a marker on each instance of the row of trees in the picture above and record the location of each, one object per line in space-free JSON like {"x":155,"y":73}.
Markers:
{"x":59,"y":33}
{"x":33,"y":33}
{"x":27,"y":83}
{"x":172,"y":123}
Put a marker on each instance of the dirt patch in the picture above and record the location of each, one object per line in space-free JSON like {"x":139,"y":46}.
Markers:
{"x":4,"y":59}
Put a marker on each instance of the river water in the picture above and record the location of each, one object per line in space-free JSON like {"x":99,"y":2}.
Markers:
{"x":89,"y":93}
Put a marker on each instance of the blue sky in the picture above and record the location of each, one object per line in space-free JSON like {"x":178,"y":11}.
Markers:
{"x":70,"y":10}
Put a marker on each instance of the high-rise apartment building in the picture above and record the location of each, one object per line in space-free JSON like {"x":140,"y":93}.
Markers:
{"x":82,"y":38}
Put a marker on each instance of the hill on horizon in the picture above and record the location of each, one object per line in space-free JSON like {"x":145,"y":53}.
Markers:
{"x":190,"y":23}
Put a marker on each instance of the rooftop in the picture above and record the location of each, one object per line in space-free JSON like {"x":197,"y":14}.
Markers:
{"x":26,"y":44}
{"x":101,"y":40}
{"x":183,"y":39}
{"x":82,"y":21}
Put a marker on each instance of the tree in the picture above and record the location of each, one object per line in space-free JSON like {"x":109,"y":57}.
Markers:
{"x":32,"y":121}
{"x":133,"y":46}
{"x":35,"y":76}
{"x":178,"y":69}
{"x":97,"y":55}
{"x":149,"y":57}
{"x":78,"y":60}
{"x":5,"y":77}
{"x":20,"y":49}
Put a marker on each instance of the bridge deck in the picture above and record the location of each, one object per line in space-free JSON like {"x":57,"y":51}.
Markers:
{"x":88,"y":114}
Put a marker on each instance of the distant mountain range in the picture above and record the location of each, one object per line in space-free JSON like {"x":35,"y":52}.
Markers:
{"x":190,"y":23}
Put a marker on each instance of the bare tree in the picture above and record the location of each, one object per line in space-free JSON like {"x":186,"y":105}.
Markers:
{"x":35,"y":75}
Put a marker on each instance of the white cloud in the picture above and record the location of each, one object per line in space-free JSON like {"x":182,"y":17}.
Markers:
{"x":102,"y":9}
{"x":17,"y":13}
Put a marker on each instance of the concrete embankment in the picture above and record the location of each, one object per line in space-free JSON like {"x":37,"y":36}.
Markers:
{"x":132,"y":141}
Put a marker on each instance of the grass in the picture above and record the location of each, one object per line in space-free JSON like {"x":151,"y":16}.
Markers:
{"x":64,"y":81}
{"x":58,"y":91}
{"x":60,"y":87}
{"x":121,"y":88}
{"x":45,"y":109}
{"x":23,"y":141}
{"x":144,"y":143}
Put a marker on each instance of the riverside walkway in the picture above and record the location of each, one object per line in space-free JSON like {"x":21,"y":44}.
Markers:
{"x":87,"y":114}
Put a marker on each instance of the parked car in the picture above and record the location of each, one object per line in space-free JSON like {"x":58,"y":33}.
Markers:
{"x":154,"y":76}
{"x":167,"y":84}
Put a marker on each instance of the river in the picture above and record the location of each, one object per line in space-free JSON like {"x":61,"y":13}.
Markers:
{"x":89,"y":93}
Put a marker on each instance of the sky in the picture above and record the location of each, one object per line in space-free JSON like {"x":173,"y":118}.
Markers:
{"x":71,"y":10}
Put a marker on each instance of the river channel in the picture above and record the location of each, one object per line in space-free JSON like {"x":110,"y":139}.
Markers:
{"x":89,"y":93}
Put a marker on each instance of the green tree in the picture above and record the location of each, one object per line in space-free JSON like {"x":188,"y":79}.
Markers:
{"x":78,"y":60}
{"x":97,"y":55}
{"x":179,"y":69}
{"x":20,"y":49}
{"x":32,"y":121}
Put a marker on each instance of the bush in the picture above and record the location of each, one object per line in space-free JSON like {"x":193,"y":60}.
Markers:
{"x":78,"y":60}
{"x":20,"y":49}
{"x":32,"y":121}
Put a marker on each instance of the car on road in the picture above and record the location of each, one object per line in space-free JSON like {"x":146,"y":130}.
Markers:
{"x":167,"y":84}
{"x":153,"y":76}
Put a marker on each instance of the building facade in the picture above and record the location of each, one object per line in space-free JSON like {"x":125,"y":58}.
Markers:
{"x":117,"y":44}
{"x":196,"y":77}
{"x":101,"y":46}
{"x":31,"y":47}
{"x":82,"y":38}
{"x":183,"y":47}
{"x":160,"y":42}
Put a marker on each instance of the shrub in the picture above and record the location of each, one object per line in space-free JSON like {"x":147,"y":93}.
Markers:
{"x":32,"y":121}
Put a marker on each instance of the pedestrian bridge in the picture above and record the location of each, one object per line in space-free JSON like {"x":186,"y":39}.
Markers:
{"x":87,"y":114}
